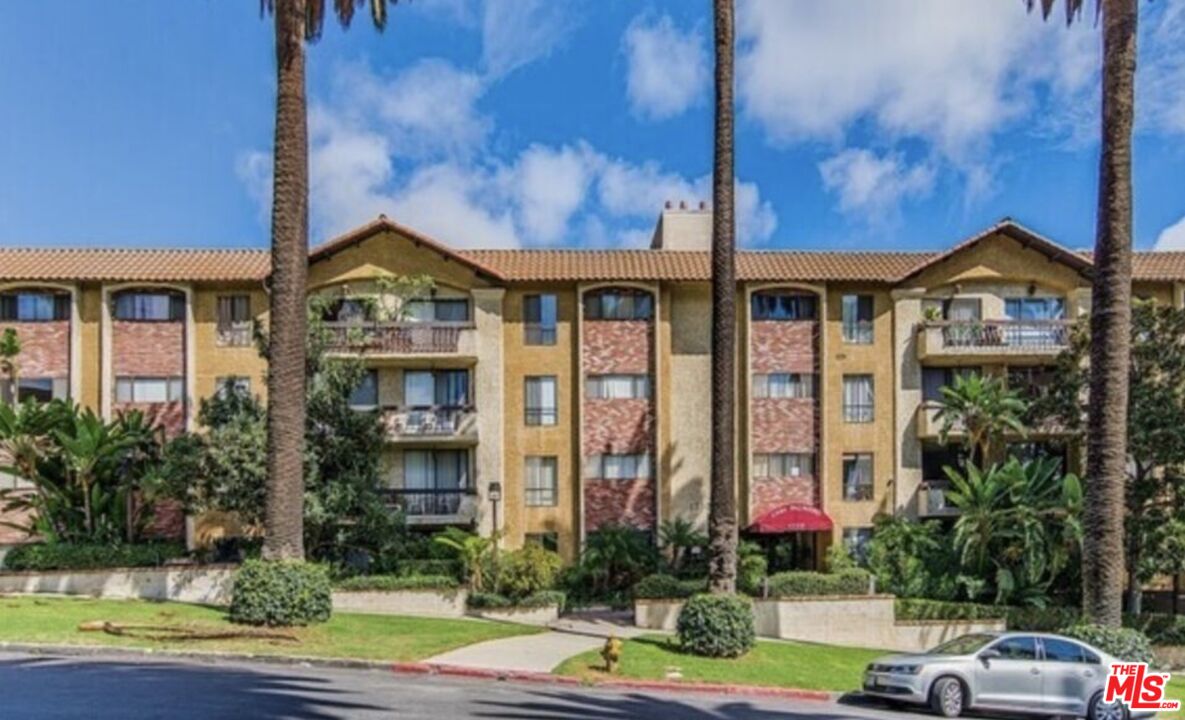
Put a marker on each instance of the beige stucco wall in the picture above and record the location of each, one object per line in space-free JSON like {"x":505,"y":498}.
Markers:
{"x":213,"y":361}
{"x":686,"y":375}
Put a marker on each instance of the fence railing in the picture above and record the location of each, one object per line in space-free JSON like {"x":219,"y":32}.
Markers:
{"x":428,"y":501}
{"x":1030,"y":334}
{"x":396,"y":338}
{"x":429,"y":421}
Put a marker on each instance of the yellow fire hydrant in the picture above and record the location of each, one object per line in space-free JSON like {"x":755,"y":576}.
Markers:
{"x":611,"y":654}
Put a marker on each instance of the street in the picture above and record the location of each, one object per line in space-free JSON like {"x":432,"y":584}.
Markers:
{"x":35,"y":687}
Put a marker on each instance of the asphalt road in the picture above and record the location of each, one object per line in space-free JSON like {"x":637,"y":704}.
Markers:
{"x":124,"y":688}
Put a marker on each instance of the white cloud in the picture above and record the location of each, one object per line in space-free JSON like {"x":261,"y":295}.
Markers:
{"x":1172,"y":237}
{"x":1160,"y":83}
{"x":551,"y":185}
{"x":668,"y":68}
{"x":517,"y":32}
{"x":874,"y":185}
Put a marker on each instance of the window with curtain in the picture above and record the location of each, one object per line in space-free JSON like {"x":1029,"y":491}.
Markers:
{"x":150,"y":306}
{"x":618,"y":467}
{"x":435,"y":470}
{"x":451,"y":310}
{"x":857,"y":477}
{"x":783,"y":385}
{"x":858,"y":399}
{"x":234,"y":320}
{"x":618,"y":304}
{"x":857,"y":319}
{"x":541,"y":400}
{"x":617,"y":387}
{"x":366,"y":395}
{"x":541,"y":481}
{"x":777,"y":465}
{"x":783,"y":306}
{"x":233,"y":385}
{"x":1034,"y":316}
{"x":539,"y":319}
{"x":436,"y":388}
{"x":38,"y":389}
{"x":148,"y":389}
{"x":34,"y":306}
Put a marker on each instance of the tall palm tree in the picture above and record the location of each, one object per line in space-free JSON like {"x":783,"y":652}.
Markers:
{"x":722,"y":516}
{"x":296,"y":21}
{"x":1110,"y":318}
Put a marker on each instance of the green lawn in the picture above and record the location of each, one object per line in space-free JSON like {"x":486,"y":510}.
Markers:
{"x":784,"y":664}
{"x":361,"y":637}
{"x":1175,"y":691}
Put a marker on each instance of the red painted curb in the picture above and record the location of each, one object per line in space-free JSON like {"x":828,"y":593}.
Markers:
{"x":650,"y":685}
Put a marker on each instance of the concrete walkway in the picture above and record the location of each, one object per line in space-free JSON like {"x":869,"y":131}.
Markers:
{"x":526,"y":653}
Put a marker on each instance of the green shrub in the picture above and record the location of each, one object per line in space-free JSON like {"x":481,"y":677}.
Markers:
{"x":1023,"y":619}
{"x":795,"y":584}
{"x":1161,"y":629}
{"x":391,"y":583}
{"x":1124,"y":643}
{"x":752,"y":567}
{"x":668,"y":587}
{"x":717,"y":626}
{"x":496,"y":601}
{"x":527,"y":571}
{"x":428,"y":567}
{"x":69,"y":556}
{"x":280,"y":594}
{"x":839,"y":559}
{"x":1047,"y":619}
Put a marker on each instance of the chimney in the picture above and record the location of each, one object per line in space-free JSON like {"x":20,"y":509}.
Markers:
{"x":683,"y":228}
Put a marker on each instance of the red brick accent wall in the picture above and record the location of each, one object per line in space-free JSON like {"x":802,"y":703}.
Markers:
{"x":624,"y":502}
{"x":784,"y":346}
{"x":784,"y":425}
{"x":619,"y":426}
{"x":148,"y":349}
{"x":45,"y":348}
{"x":770,"y":493}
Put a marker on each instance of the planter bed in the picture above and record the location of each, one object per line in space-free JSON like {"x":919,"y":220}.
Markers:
{"x":199,"y":584}
{"x":541,"y":616}
{"x":420,"y":602}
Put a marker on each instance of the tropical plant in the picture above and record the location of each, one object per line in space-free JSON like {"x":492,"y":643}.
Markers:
{"x":913,"y":559}
{"x":983,"y":408}
{"x":722,"y":512}
{"x":10,"y":347}
{"x":617,"y":556}
{"x":1110,"y":319}
{"x":296,"y":21}
{"x":472,"y":551}
{"x":526,"y":571}
{"x":678,"y":538}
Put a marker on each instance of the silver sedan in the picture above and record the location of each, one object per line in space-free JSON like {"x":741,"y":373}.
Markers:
{"x":1028,"y":672}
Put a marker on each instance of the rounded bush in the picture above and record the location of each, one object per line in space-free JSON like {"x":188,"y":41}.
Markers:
{"x":527,"y":571}
{"x":717,"y":626}
{"x":1124,"y":643}
{"x":668,"y":587}
{"x":281,"y":594}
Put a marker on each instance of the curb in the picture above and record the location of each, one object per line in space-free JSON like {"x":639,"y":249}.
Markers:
{"x":458,"y":671}
{"x":204,"y":656}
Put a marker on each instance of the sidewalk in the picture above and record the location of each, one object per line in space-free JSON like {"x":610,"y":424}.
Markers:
{"x":528,"y":653}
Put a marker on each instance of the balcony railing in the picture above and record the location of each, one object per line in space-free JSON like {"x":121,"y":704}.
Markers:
{"x":438,"y":422}
{"x":932,"y":501}
{"x":431,"y":502}
{"x":397,"y":338}
{"x":993,"y":337}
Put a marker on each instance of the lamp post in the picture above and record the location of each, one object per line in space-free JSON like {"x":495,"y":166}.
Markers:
{"x":495,"y":493}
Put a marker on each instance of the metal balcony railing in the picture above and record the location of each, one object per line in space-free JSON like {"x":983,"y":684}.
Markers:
{"x":430,"y":421}
{"x":429,"y":501}
{"x":396,"y":338}
{"x":1028,"y":334}
{"x":932,"y":501}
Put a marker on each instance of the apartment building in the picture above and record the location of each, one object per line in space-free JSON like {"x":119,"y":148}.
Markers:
{"x":550,"y":392}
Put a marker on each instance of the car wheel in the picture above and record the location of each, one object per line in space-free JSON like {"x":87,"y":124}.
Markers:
{"x":1100,"y":710}
{"x":947,"y":697}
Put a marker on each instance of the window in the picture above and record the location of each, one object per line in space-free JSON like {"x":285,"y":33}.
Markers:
{"x":233,"y":385}
{"x":150,"y":306}
{"x":953,"y":309}
{"x":783,"y":306}
{"x":547,"y":541}
{"x":1063,"y":651}
{"x":1035,"y":308}
{"x":936,"y":458}
{"x":856,"y":541}
{"x":436,"y":388}
{"x":33,"y":388}
{"x":434,"y":481}
{"x":452,"y":310}
{"x":541,"y":481}
{"x":1017,"y":648}
{"x":350,"y":310}
{"x":777,"y":465}
{"x":784,"y":385}
{"x":857,"y":319}
{"x":34,"y":306}
{"x":234,"y":320}
{"x":539,"y":319}
{"x":618,"y":305}
{"x":148,"y":390}
{"x":366,"y":395}
{"x":857,"y":477}
{"x":617,"y":387}
{"x":541,"y":400}
{"x":1030,"y":451}
{"x":857,"y":399}
{"x":934,"y":379}
{"x":618,"y":467}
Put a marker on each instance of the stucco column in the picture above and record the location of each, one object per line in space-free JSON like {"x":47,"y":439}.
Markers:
{"x":487,"y":377}
{"x":1078,"y":303}
{"x":907,"y":313}
{"x":1179,"y":295}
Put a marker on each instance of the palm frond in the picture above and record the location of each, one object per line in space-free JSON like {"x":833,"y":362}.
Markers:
{"x":1073,"y":8}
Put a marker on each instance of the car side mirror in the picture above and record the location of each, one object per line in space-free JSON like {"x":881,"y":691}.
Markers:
{"x":988,"y":655}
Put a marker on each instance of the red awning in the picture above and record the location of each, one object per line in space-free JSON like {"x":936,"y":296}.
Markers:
{"x":791,"y":518}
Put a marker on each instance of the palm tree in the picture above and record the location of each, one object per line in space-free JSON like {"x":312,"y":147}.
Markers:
{"x":1110,"y":318}
{"x":982,"y":407}
{"x":722,"y":516}
{"x":10,"y":347}
{"x":296,"y":21}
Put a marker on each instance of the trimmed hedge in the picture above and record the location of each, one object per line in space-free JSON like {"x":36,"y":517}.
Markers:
{"x":280,"y":593}
{"x":1124,"y":643}
{"x":798,"y":584}
{"x":1161,"y":629}
{"x":1029,"y":619}
{"x":428,"y":568}
{"x":392,"y":583}
{"x":668,"y":587}
{"x":66,"y":556}
{"x":494,"y":601}
{"x":717,"y":626}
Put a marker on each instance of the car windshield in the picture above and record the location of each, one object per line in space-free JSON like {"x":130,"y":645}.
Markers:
{"x":962,"y":646}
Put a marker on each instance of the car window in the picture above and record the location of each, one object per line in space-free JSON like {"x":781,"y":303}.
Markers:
{"x":1063,"y":651}
{"x":1017,"y":648}
{"x":964,"y":645}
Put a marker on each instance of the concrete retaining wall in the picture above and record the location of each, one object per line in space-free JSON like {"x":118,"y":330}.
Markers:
{"x":200,"y":584}
{"x":423,"y":603}
{"x":541,"y":616}
{"x":856,"y":621}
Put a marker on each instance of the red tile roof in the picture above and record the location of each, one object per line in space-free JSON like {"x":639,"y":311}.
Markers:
{"x":112,"y":265}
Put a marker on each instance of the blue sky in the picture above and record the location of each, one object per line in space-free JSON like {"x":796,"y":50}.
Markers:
{"x":894,"y":124}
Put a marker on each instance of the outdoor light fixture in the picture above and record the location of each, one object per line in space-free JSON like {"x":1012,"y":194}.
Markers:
{"x":495,"y":491}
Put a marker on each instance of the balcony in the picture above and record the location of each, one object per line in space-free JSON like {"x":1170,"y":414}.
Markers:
{"x":929,"y":427}
{"x":403,"y":339}
{"x":932,"y":502}
{"x":437,"y":424}
{"x":986,"y":340}
{"x":434,"y":506}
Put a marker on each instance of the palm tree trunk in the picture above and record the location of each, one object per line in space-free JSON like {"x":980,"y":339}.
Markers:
{"x":722,"y":519}
{"x":284,"y":519}
{"x":1110,"y":326}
